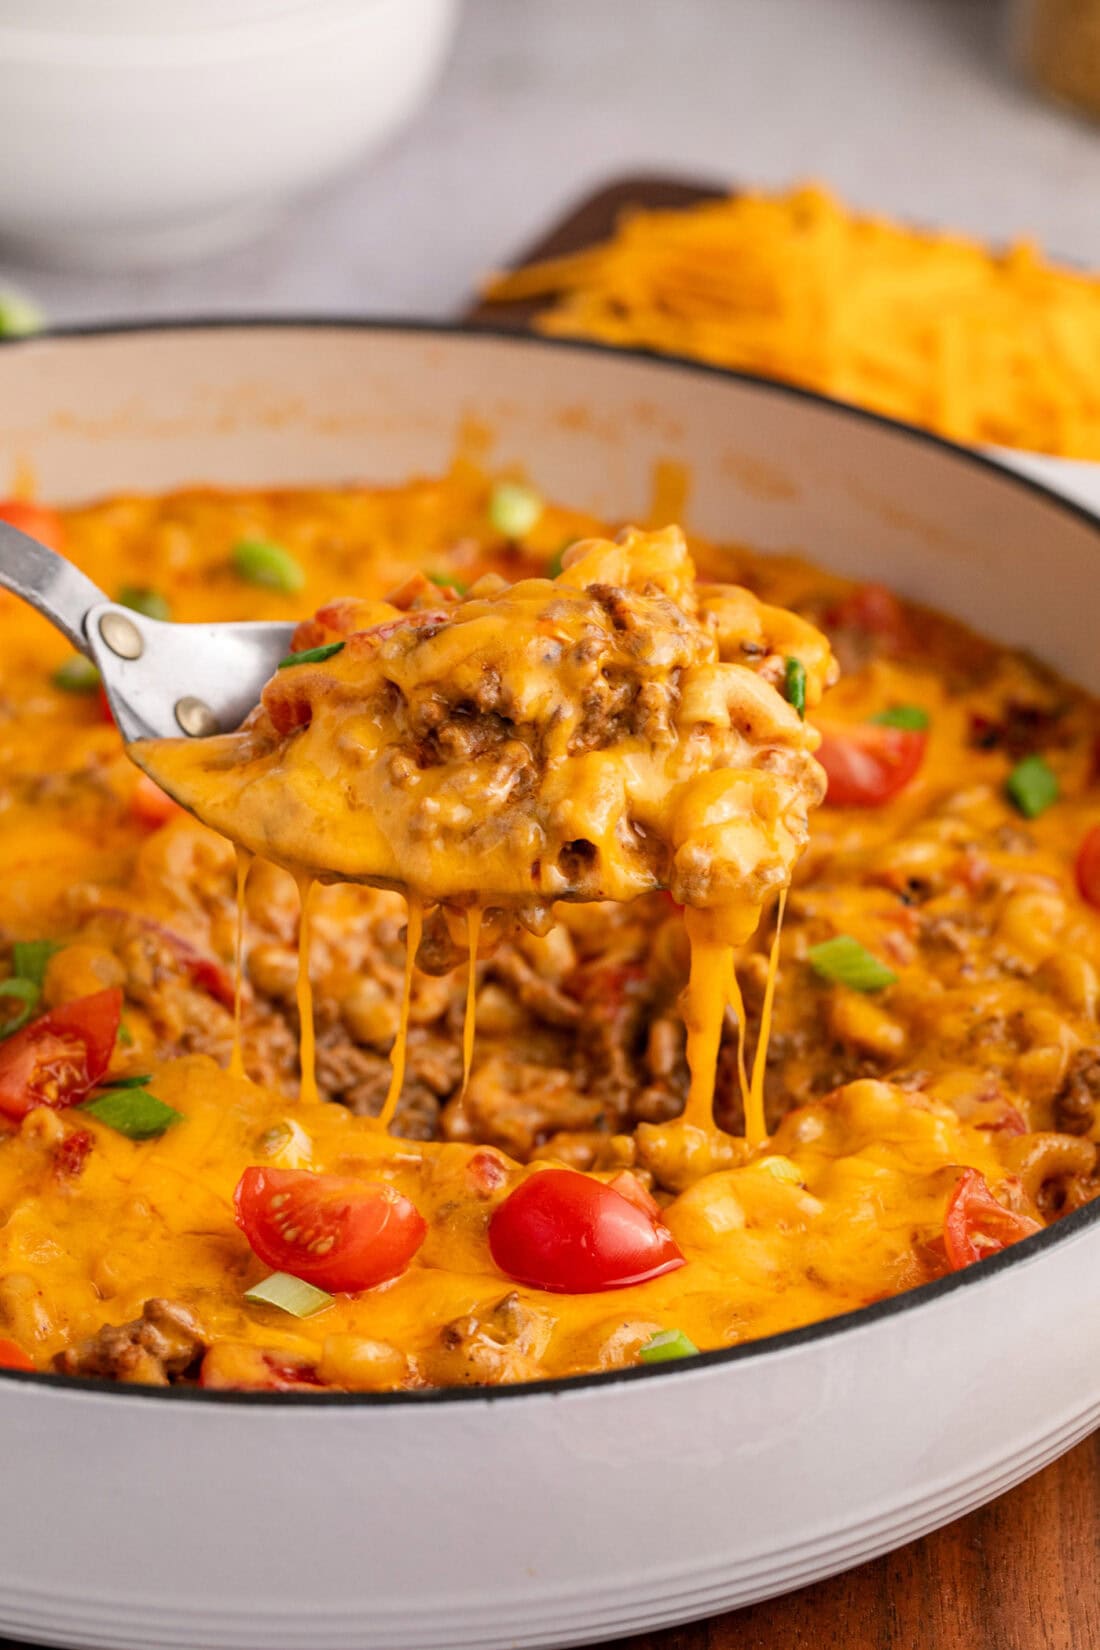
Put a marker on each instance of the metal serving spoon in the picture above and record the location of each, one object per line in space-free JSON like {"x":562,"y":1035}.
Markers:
{"x":162,"y":680}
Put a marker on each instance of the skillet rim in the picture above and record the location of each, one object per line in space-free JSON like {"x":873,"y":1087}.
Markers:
{"x":1030,"y":1249}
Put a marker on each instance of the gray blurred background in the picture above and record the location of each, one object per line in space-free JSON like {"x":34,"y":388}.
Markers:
{"x":908,"y":106}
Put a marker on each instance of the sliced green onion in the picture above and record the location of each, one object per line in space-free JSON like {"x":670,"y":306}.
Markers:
{"x":514,"y":509}
{"x":846,"y":962}
{"x":76,"y":675}
{"x":260,"y":561}
{"x":135,"y":1113}
{"x":26,"y":992}
{"x":19,"y":317}
{"x":912,"y":718}
{"x":138,"y":1081}
{"x":312,"y":655}
{"x":796,"y":685}
{"x":666,"y":1345}
{"x":289,"y":1294}
{"x":29,"y":958}
{"x":447,"y":581}
{"x":125,"y":1035}
{"x":1032,"y":786}
{"x":144,"y":599}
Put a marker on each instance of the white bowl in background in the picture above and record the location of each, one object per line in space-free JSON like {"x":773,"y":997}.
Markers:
{"x":563,"y":1512}
{"x":137,"y":133}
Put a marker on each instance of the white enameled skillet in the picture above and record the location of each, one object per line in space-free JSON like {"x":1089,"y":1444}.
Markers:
{"x":564,"y":1512}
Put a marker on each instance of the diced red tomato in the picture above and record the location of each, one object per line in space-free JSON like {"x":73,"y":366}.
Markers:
{"x":486,"y":1173}
{"x":58,"y":1059}
{"x":874,"y":609}
{"x":340,"y":618}
{"x":236,"y":1367}
{"x":288,"y":698}
{"x":204,"y":972}
{"x":210,"y":976}
{"x":976,"y":1225}
{"x":364,"y":641}
{"x":868,"y":764}
{"x":566,"y":1232}
{"x":333,"y":1231}
{"x":1009,"y":1120}
{"x":150,"y":806}
{"x":37,"y":520}
{"x":1088,"y":867}
{"x":13,"y":1357}
{"x":71,"y":1154}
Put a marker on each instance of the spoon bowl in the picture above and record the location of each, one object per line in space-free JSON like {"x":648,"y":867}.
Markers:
{"x":162,"y":680}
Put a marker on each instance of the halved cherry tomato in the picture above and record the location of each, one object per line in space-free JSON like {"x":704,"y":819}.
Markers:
{"x":976,"y":1225}
{"x":564,"y":1231}
{"x":330,"y":1230}
{"x":629,"y":1186}
{"x":13,"y":1357}
{"x":868,"y":764}
{"x":236,"y":1367}
{"x":38,"y":520}
{"x":1088,"y":867}
{"x":150,"y":806}
{"x":58,"y":1059}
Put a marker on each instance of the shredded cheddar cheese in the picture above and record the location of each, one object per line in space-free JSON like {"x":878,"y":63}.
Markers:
{"x":982,"y":346}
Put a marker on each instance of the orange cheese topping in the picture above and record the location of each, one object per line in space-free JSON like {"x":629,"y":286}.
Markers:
{"x":979,"y":1055}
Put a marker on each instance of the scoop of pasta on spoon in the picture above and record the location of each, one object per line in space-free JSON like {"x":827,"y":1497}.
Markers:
{"x":613,"y":731}
{"x":616,"y":730}
{"x":599,"y":735}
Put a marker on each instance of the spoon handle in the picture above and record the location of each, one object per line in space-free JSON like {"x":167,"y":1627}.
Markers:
{"x":48,"y":582}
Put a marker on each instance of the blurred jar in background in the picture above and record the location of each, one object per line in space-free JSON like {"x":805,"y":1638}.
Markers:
{"x":1058,"y":42}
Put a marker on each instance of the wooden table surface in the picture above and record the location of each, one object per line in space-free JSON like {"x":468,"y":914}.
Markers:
{"x":1020,"y":1574}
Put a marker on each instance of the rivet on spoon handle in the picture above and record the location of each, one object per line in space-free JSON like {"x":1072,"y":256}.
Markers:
{"x":196,"y":718}
{"x":121,"y":635}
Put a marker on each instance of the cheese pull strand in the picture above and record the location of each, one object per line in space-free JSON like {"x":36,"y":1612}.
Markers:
{"x":307,"y":1090}
{"x":236,"y":1057}
{"x":401,"y":1042}
{"x":469,"y":1024}
{"x":737,"y":1003}
{"x":713,"y":936}
{"x":756,"y":1131}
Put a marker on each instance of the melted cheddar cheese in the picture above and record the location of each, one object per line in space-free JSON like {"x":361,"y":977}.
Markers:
{"x":597,"y":735}
{"x":122,"y":1257}
{"x":594,"y":736}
